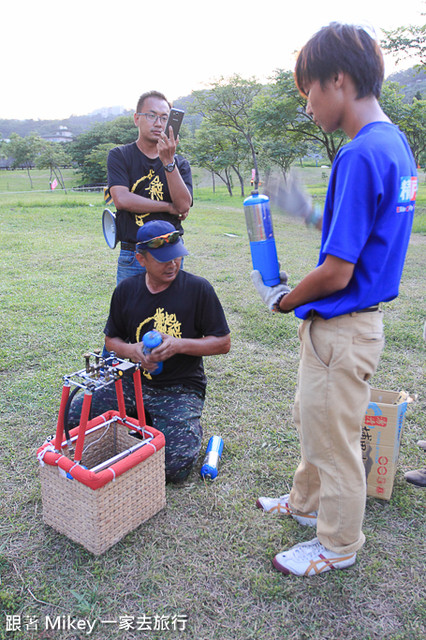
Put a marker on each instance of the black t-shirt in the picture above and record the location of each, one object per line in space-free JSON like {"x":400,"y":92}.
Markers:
{"x":129,"y":167}
{"x":188,"y":308}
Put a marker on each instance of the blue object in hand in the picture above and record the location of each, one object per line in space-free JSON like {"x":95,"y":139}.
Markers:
{"x":150,"y":340}
{"x":211,"y":461}
{"x":261,"y":235}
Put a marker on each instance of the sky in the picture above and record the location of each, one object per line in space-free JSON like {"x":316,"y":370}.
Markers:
{"x":72,"y":58}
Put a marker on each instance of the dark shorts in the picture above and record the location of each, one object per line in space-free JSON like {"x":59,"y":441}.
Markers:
{"x":174,"y":410}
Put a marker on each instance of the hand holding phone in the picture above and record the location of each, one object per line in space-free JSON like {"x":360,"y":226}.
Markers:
{"x":174,"y":121}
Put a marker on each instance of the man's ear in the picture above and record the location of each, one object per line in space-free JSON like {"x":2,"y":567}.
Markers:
{"x":338,"y":79}
{"x":141,"y":259}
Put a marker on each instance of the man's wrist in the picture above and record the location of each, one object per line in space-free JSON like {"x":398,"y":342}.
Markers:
{"x":170,"y":166}
{"x":276,"y":306}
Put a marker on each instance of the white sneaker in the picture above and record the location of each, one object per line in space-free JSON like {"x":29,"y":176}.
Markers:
{"x":279,"y":506}
{"x":311,"y":558}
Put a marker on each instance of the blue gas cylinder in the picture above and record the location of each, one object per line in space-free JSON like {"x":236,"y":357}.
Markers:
{"x":211,"y":461}
{"x":150,"y":340}
{"x":261,"y":236}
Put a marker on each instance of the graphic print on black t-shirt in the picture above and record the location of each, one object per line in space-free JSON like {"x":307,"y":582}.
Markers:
{"x":144,"y":176}
{"x":154,"y":190}
{"x":164,"y":323}
{"x":188,"y":308}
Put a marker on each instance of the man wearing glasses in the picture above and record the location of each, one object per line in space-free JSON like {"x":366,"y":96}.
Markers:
{"x":185,"y":309}
{"x":147,"y":180}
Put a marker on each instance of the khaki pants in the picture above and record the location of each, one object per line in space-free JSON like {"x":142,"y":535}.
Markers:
{"x":338,"y":356}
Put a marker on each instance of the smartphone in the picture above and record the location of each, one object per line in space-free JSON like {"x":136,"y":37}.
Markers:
{"x":174,"y":121}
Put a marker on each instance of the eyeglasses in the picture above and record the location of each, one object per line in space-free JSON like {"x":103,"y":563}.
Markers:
{"x":159,"y":241}
{"x":153,"y":117}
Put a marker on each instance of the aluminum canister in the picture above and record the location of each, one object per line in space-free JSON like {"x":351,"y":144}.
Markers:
{"x":151,"y":340}
{"x":261,"y":236}
{"x":211,"y":461}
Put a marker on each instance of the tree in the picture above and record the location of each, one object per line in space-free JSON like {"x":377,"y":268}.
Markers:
{"x":227,"y":104}
{"x":122,"y":130}
{"x":240,"y":152}
{"x":392,"y":101}
{"x":280,"y":114}
{"x":414,"y":127}
{"x":52,"y":156}
{"x":211,"y":149}
{"x":95,"y":164}
{"x":406,"y":42}
{"x":273,"y":113}
{"x":24,"y":151}
{"x":409,"y":117}
{"x":3,"y":148}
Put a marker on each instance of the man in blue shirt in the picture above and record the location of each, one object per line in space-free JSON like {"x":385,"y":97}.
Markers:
{"x":367,"y":223}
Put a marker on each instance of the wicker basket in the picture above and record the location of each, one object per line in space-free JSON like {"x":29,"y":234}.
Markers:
{"x":99,"y":518}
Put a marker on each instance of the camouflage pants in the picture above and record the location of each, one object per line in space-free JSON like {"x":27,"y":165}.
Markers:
{"x":174,"y":410}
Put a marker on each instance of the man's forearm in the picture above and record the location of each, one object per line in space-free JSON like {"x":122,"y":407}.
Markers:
{"x":123,"y":349}
{"x":199,"y":347}
{"x":179,"y":192}
{"x":207,"y":346}
{"x":332,"y":276}
{"x":124,"y":200}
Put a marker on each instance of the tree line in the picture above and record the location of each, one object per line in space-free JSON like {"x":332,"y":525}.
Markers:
{"x":234,"y":128}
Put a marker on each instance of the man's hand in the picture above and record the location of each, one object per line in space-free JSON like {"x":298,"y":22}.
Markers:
{"x":270,"y":295}
{"x":149,"y":361}
{"x":169,"y":347}
{"x":174,"y":212}
{"x":167,"y":147}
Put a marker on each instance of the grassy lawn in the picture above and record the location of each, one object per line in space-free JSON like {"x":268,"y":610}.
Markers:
{"x":208,"y":554}
{"x":19,"y":181}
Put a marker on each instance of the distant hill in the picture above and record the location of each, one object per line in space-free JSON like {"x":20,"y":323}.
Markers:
{"x":80,"y":124}
{"x":413,"y":83}
{"x":48,"y":128}
{"x":191,"y":121}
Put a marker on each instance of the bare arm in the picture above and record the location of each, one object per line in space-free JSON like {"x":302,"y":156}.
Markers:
{"x":179,"y":193}
{"x":331,"y":276}
{"x":206,"y":346}
{"x":123,"y":349}
{"x":127,"y":201}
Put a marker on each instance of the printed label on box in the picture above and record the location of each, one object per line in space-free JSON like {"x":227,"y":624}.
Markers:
{"x":380,"y":440}
{"x":376,"y":421}
{"x":380,"y":470}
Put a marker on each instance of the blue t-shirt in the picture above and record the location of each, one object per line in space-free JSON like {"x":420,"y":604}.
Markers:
{"x":368,"y":215}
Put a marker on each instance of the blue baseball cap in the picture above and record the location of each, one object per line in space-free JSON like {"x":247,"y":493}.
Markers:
{"x":161,"y":240}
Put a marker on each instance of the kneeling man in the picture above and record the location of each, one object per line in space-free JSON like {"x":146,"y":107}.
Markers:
{"x":185,"y":309}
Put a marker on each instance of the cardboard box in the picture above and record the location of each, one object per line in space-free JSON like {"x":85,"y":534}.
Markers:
{"x":381,"y":438}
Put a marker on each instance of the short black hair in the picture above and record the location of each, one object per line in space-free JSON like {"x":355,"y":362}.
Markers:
{"x":341,"y":48}
{"x":150,"y":94}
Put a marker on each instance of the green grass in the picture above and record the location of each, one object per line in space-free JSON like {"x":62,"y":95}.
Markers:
{"x":18,"y":181}
{"x":208,"y":553}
